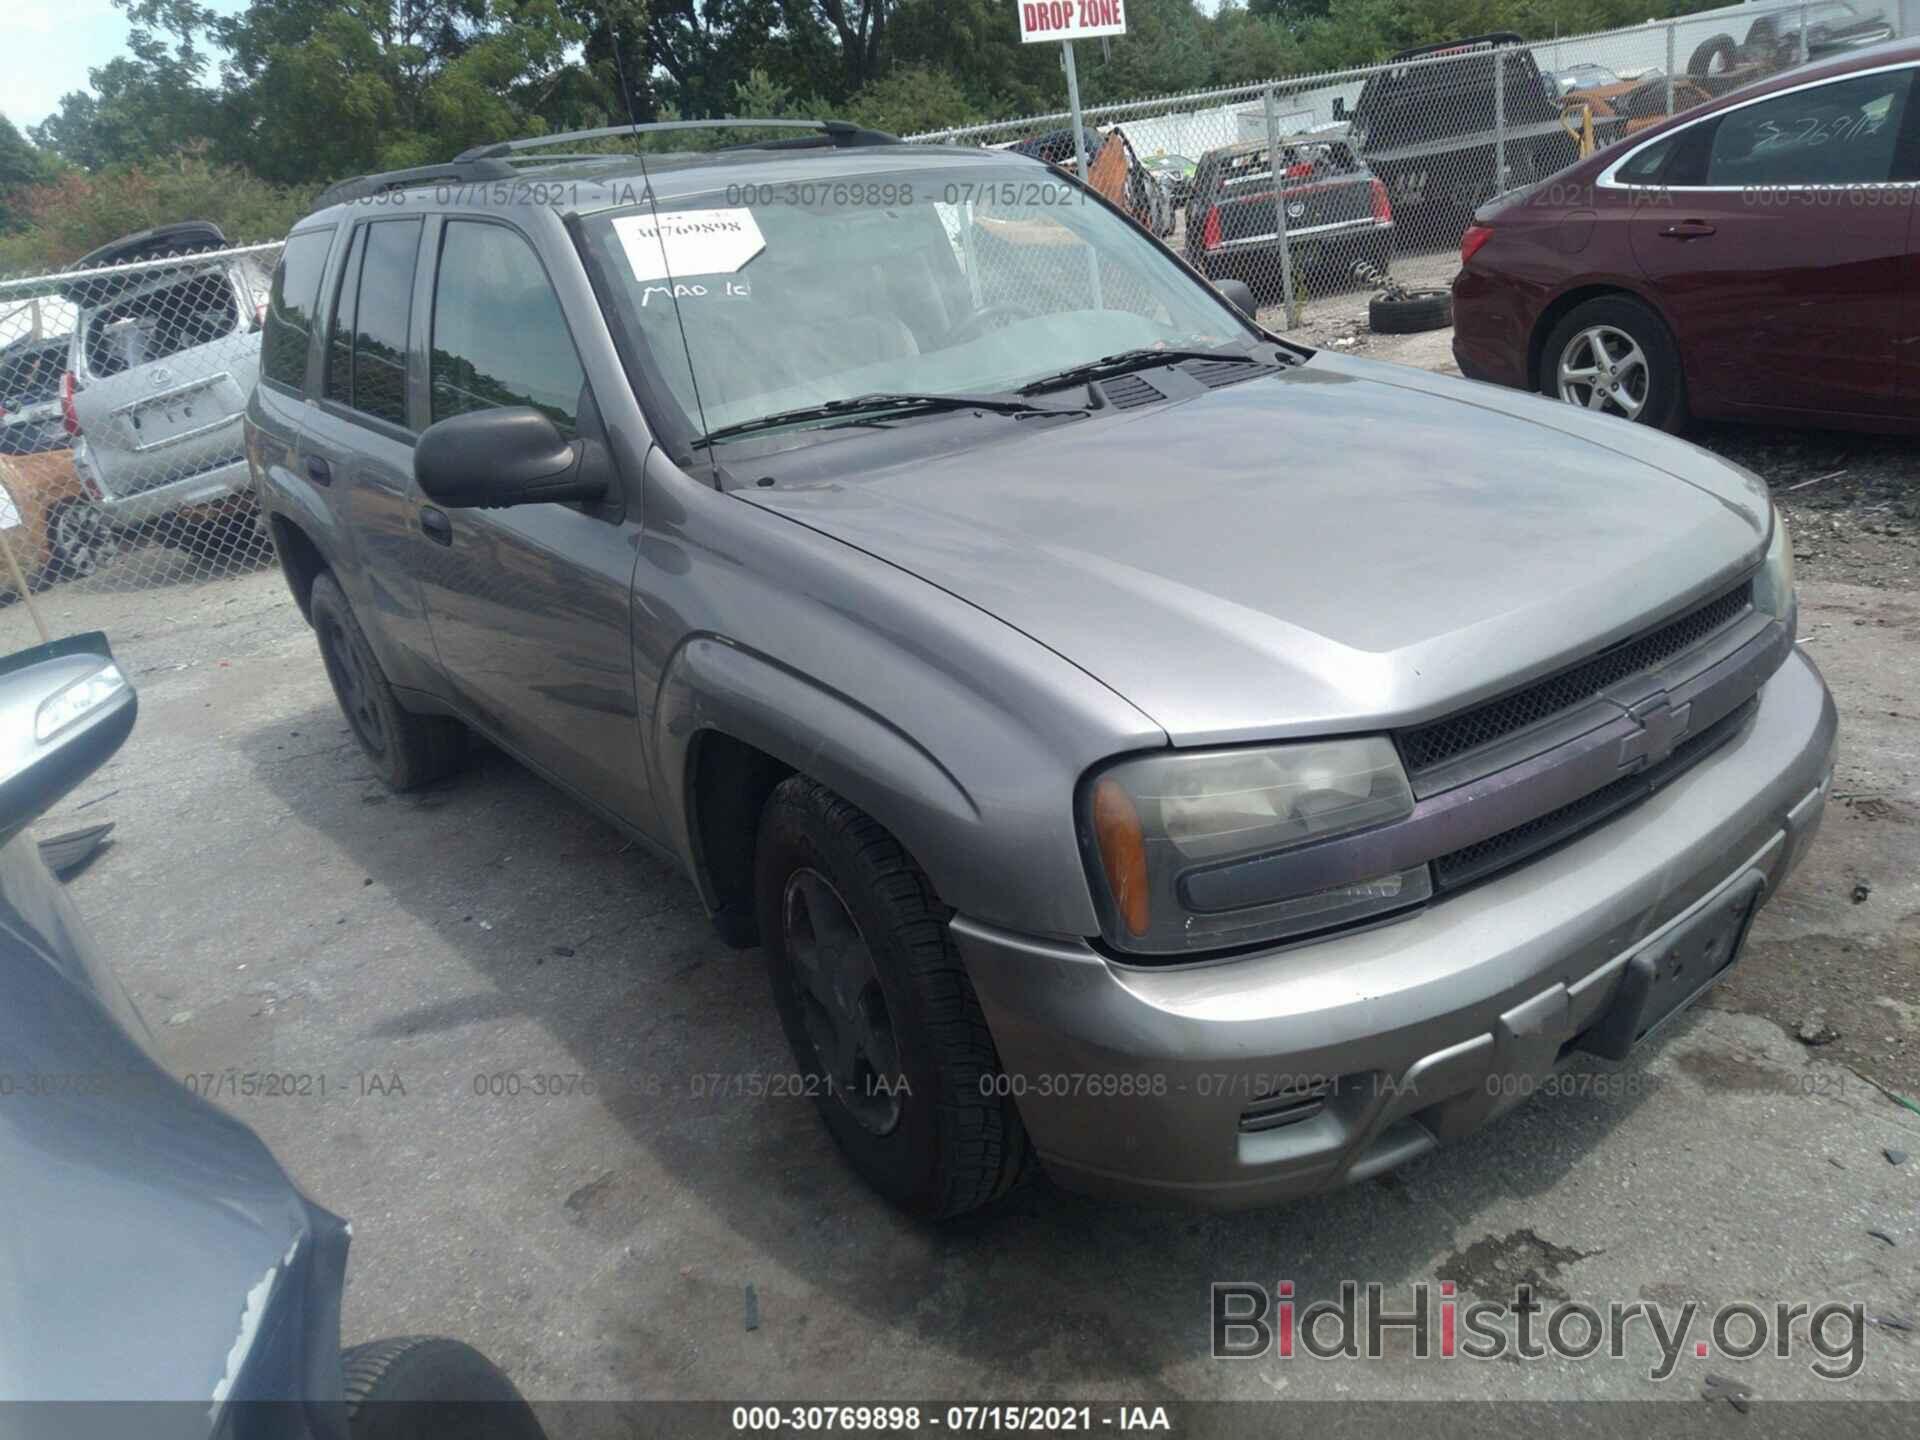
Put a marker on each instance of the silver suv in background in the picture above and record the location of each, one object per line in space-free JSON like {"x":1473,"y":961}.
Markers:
{"x":159,"y":368}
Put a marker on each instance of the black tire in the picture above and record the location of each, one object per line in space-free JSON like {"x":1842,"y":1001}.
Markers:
{"x":1720,"y":47}
{"x":1418,"y":310}
{"x":79,"y":541}
{"x":1665,"y":402}
{"x":953,"y":1145}
{"x":406,"y":750}
{"x":421,"y":1388}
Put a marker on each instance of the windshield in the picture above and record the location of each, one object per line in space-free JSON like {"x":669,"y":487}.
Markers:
{"x":941,"y":281}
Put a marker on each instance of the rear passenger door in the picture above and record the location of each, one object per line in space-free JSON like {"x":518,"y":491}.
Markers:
{"x":531,"y":605}
{"x":358,"y":442}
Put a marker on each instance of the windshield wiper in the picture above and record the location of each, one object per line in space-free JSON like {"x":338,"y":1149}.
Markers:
{"x":884,"y":402}
{"x":1124,"y":362}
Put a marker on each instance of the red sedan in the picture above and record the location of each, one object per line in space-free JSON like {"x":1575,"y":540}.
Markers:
{"x":1756,"y":258}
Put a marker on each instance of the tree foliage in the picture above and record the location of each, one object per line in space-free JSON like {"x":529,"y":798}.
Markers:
{"x":301,"y":92}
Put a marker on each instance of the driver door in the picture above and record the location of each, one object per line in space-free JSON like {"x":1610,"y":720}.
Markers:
{"x":530,"y":606}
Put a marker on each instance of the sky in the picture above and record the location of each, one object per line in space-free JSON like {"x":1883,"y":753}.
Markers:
{"x":50,"y":45}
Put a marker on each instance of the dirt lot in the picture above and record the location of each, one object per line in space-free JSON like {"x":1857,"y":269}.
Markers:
{"x":270,"y":906}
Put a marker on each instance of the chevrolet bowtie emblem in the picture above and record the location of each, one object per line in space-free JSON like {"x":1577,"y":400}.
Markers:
{"x":1662,"y":726}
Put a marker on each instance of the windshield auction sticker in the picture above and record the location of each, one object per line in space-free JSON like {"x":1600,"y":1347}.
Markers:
{"x":688,"y":242}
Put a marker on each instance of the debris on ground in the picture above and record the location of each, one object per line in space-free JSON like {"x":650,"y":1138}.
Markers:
{"x":1814,"y":1031}
{"x":1718,"y":1387}
{"x":753,"y":1309}
{"x":1895,"y":1157}
{"x":1861,"y":890}
{"x":67,"y":855}
{"x":1882,"y":1235}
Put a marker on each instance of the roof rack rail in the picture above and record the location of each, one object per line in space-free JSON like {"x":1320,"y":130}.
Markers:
{"x":838,"y":133}
{"x":460,"y":170}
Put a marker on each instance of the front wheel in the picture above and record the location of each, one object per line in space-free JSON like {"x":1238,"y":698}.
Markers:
{"x":420,"y":1388}
{"x":878,"y":1008}
{"x":1613,"y":356}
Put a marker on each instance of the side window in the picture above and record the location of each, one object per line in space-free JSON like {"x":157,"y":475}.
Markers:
{"x":291,"y":306}
{"x":499,"y":337}
{"x":1843,"y":133}
{"x":1644,"y":168}
{"x":367,"y":352}
{"x":339,"y":381}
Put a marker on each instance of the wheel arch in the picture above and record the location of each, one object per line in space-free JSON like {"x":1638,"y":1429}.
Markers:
{"x":301,"y":559}
{"x":1570,"y":299}
{"x":732,"y":724}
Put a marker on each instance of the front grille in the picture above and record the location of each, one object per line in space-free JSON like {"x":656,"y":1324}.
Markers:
{"x":1426,"y":746}
{"x":1510,"y":847}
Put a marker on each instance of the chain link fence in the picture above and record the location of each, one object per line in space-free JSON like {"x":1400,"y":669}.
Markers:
{"x":123,"y":386}
{"x":122,"y":459}
{"x":1381,"y":167}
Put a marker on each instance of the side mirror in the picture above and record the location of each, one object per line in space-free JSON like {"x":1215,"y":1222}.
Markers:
{"x":65,"y":708}
{"x":1238,"y":294}
{"x":512,"y":455}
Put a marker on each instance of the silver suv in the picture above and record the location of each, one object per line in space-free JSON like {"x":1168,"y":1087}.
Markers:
{"x":160,"y":365}
{"x":1218,"y":769}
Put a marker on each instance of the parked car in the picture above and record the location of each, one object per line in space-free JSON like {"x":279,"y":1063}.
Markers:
{"x":1425,"y":123}
{"x":1113,"y":170}
{"x":1638,"y":103}
{"x":48,"y":522}
{"x":1219,"y":768}
{"x":1748,"y":260}
{"x":1833,"y":28}
{"x":30,"y":373}
{"x":160,"y":1259}
{"x":1584,"y":75}
{"x":159,"y":368}
{"x":1338,"y":212}
{"x":1175,"y":174}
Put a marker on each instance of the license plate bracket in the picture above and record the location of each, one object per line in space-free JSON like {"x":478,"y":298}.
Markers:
{"x":1663,"y":978}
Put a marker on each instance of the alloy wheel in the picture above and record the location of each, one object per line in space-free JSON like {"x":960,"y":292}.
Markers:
{"x":841,"y":1001}
{"x":80,"y":541}
{"x":1604,"y":369}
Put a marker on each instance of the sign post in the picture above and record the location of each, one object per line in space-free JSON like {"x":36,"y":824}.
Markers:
{"x":1067,"y":21}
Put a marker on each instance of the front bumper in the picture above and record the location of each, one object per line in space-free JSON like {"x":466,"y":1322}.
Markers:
{"x":1139,"y":1081}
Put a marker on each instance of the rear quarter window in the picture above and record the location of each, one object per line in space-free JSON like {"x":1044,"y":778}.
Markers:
{"x":290,"y":308}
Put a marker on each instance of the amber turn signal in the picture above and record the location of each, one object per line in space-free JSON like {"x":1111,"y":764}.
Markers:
{"x":1123,"y":854}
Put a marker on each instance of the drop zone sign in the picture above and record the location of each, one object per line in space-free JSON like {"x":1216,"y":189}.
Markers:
{"x":1071,"y":19}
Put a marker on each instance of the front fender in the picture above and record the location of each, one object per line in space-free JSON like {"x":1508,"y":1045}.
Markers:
{"x":983,"y":856}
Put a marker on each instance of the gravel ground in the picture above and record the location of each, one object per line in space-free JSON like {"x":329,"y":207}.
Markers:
{"x":270,"y":906}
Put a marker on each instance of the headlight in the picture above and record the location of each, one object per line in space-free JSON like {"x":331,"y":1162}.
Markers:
{"x":1773,"y":586}
{"x":1174,"y":841}
{"x":78,"y":700}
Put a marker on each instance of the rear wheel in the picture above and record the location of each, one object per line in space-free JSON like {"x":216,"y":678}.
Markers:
{"x":1614,"y":356}
{"x":419,"y":1388}
{"x":79,"y":541}
{"x":407,"y":750}
{"x":878,"y":1007}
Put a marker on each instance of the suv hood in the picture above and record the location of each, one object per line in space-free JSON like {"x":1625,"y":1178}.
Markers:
{"x":1345,"y":545}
